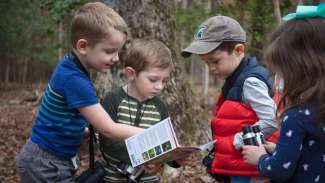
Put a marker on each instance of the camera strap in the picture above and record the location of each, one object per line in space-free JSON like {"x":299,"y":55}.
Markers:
{"x":95,"y":172}
{"x":92,"y":139}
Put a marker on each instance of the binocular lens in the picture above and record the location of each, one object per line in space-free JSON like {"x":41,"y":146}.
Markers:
{"x":252,"y":135}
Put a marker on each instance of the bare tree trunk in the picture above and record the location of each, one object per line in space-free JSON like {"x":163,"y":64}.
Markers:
{"x":277,"y":11}
{"x":206,"y":79}
{"x":214,"y":6}
{"x":156,"y":19}
{"x":60,"y":39}
{"x":193,"y":62}
{"x":106,"y":82}
{"x":24,"y":72}
{"x":193,"y":68}
{"x":7,"y":75}
{"x":13,"y":74}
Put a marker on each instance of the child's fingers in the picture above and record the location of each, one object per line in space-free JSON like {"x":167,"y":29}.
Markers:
{"x":152,"y":168}
{"x":269,"y":143}
{"x":244,"y":150}
{"x":246,"y":147}
{"x":245,"y":153}
{"x":270,"y":147}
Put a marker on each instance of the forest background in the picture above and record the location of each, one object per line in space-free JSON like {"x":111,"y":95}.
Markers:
{"x":34,"y":35}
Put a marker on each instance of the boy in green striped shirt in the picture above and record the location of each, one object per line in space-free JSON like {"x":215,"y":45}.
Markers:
{"x":148,"y":64}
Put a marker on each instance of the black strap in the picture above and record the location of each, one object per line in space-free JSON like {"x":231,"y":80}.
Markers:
{"x":92,"y":139}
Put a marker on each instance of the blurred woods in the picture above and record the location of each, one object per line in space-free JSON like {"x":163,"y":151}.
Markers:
{"x":34,"y":35}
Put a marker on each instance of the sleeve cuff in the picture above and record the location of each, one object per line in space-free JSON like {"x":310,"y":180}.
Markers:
{"x":262,"y":158}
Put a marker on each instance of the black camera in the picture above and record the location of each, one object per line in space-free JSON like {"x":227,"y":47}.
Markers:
{"x":92,"y":174}
{"x":252,"y":135}
{"x":207,"y":162}
{"x":132,"y":174}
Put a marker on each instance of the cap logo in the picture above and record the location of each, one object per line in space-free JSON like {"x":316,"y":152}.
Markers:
{"x":200,"y":32}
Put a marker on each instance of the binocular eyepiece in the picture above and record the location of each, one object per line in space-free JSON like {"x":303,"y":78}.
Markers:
{"x":133,"y":175}
{"x":252,"y":135}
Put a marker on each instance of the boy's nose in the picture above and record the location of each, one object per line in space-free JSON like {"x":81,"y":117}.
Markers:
{"x":159,"y":86}
{"x":115,"y":58}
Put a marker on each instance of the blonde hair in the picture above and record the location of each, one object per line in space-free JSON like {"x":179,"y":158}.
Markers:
{"x":95,"y":21}
{"x":144,"y":53}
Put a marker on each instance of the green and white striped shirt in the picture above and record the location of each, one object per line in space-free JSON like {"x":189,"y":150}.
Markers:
{"x":127,"y":110}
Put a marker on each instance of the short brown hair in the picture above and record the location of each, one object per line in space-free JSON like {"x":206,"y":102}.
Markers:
{"x":228,"y":46}
{"x":95,"y":21}
{"x":144,"y":53}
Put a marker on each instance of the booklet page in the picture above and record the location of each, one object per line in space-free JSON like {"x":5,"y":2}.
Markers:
{"x":151,"y":143}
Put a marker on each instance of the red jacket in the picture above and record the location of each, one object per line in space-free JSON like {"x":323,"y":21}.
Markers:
{"x":230,"y":117}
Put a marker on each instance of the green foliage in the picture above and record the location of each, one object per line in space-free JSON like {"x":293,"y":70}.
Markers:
{"x":29,"y":28}
{"x":256,"y":17}
{"x":22,"y":29}
{"x":189,"y":18}
{"x":285,"y":5}
{"x":58,"y":9}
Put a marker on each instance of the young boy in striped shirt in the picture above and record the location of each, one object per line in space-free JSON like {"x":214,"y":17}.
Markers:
{"x":148,"y":65}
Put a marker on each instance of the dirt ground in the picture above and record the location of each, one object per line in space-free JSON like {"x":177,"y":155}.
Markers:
{"x":18,"y":106}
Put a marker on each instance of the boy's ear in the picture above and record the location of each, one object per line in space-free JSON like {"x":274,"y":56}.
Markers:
{"x":129,"y":73}
{"x":81,"y":46}
{"x":239,"y":49}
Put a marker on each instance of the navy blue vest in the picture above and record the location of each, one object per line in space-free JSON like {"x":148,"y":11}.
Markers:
{"x":233,"y":87}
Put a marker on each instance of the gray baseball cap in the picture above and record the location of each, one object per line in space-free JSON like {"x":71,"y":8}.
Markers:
{"x":212,"y":32}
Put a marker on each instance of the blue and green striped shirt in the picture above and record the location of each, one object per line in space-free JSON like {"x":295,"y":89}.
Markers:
{"x":59,"y":125}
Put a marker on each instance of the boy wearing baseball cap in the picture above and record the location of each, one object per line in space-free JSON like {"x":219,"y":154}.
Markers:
{"x":246,"y":97}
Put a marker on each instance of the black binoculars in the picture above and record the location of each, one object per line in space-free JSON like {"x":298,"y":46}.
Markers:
{"x":252,"y":135}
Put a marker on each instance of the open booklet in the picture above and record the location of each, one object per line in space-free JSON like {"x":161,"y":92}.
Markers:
{"x":159,"y":144}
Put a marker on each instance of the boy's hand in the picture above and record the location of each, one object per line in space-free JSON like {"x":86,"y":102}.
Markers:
{"x":270,"y":147}
{"x":153,"y":168}
{"x":238,"y":140}
{"x":252,"y":153}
